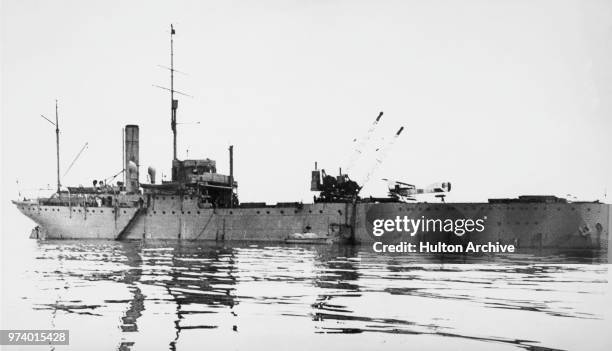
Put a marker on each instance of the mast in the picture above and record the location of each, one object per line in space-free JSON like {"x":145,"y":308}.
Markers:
{"x":123,"y":155}
{"x":173,"y":103}
{"x":57,"y":147}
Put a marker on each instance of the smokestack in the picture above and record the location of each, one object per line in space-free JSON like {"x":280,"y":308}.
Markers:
{"x":231,"y":175}
{"x":132,"y":163}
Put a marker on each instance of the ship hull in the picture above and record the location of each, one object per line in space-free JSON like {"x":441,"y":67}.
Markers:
{"x":559,"y":225}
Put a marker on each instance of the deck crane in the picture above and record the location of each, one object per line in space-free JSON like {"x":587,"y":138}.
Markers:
{"x":362,"y":143}
{"x":381,"y":154}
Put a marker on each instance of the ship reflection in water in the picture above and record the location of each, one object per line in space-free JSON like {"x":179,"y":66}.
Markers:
{"x":193,"y":295}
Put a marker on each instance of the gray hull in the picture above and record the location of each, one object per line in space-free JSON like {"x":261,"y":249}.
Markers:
{"x":563,"y":225}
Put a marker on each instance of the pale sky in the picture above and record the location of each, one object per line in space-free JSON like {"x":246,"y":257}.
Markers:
{"x":501,"y":98}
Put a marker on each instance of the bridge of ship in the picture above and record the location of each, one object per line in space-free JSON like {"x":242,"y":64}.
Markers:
{"x":199,"y":179}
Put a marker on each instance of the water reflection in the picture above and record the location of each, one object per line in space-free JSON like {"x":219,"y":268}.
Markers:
{"x":228,"y":295}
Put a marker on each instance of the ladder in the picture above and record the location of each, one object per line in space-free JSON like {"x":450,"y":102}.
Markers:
{"x":123,"y":233}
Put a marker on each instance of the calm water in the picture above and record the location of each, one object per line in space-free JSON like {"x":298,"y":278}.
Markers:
{"x":194,"y":296}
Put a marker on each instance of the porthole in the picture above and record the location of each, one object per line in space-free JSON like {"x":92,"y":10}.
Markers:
{"x":268,"y":212}
{"x":198,"y":212}
{"x":163,"y":212}
{"x":295,"y":212}
{"x":182,"y":212}
{"x":231,"y":212}
{"x":339,"y":212}
{"x":309,"y":211}
{"x":173,"y":212}
{"x":282,"y":212}
{"x":154,"y":212}
{"x":257,"y":212}
{"x":188,"y":212}
{"x":124,"y":211}
{"x":320,"y":211}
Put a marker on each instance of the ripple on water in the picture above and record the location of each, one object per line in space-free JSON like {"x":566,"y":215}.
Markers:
{"x":179,"y":293}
